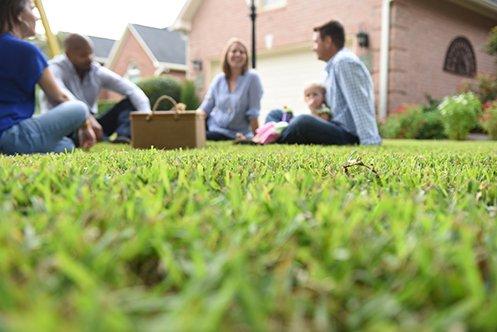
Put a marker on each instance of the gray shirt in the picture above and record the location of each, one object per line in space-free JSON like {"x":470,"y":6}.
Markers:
{"x":89,"y":89}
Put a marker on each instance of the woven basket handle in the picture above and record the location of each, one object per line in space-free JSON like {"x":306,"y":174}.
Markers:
{"x":157,"y":103}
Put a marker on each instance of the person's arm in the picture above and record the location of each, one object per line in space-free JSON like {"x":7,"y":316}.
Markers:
{"x":356,"y":88}
{"x":50,"y":87}
{"x":116,"y":83}
{"x":254,"y":100}
{"x":254,"y":125}
{"x":209,"y":101}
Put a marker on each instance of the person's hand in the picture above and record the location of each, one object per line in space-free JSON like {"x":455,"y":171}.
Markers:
{"x":87,"y":137}
{"x":97,"y":128}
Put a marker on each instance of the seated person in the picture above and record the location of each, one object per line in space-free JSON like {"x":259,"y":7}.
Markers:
{"x":314,"y":97}
{"x":233,"y":102}
{"x":277,"y":120}
{"x":349,"y":92}
{"x":83,"y":79}
{"x":22,"y":67}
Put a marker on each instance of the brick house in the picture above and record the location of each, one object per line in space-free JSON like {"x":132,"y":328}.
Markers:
{"x":145,"y":52}
{"x":412,"y":47}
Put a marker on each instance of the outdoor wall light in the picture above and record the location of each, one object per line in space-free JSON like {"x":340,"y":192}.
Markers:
{"x":197,"y":64}
{"x":363,"y":39}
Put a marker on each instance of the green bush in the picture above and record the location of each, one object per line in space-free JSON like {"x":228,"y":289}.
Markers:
{"x":156,"y":87}
{"x":403,"y":125}
{"x":485,"y":87}
{"x":189,"y":95}
{"x":492,"y":42}
{"x":489,"y":119}
{"x":460,"y":114}
{"x":415,"y":122}
{"x":432,"y":126}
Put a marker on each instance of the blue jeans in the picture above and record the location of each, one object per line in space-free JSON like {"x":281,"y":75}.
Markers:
{"x":277,"y":116}
{"x":117,"y":119}
{"x":308,"y":129}
{"x":46,"y":132}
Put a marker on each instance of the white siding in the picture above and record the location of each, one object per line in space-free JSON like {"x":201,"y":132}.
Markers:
{"x":284,"y":77}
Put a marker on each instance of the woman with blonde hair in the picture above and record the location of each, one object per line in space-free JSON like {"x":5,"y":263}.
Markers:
{"x":233,"y":101}
{"x":22,"y":67}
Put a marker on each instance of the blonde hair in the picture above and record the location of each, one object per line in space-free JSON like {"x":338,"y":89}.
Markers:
{"x":317,"y":86}
{"x":226,"y":66}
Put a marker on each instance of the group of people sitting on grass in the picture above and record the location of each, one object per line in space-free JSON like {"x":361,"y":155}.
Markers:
{"x":341,"y":109}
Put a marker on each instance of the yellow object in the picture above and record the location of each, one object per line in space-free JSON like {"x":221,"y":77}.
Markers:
{"x":53,"y":44}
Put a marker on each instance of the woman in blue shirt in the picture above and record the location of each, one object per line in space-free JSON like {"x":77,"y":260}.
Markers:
{"x":233,"y":102}
{"x":22,"y":67}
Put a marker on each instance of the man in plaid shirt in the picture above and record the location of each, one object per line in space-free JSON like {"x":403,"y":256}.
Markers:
{"x":349,"y":93}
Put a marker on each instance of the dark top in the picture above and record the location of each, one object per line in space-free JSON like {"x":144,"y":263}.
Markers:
{"x":21,"y":66}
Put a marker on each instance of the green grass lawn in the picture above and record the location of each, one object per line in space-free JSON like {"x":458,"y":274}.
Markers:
{"x":251,"y":238}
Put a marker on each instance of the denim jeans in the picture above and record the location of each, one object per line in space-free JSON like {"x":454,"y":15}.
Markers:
{"x":277,"y":116}
{"x":46,"y":132}
{"x":117,"y":119}
{"x":215,"y":136}
{"x":308,"y":129}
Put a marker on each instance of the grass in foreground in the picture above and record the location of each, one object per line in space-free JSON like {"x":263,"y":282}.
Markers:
{"x":251,"y":238}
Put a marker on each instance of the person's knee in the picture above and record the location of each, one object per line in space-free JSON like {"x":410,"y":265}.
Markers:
{"x":79,"y":111}
{"x":275,"y":112}
{"x":64,"y":146}
{"x":302,"y":121}
{"x":274,"y":115}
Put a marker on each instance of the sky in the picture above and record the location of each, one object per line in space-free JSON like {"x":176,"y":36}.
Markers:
{"x":108,"y":18}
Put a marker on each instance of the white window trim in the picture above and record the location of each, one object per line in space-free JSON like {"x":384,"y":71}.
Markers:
{"x":265,"y":8}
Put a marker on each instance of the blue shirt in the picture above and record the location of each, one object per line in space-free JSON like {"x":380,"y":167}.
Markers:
{"x":21,"y":66}
{"x":349,"y":93}
{"x":230,"y":112}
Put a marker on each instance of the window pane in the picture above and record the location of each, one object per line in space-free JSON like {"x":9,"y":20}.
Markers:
{"x":271,"y":3}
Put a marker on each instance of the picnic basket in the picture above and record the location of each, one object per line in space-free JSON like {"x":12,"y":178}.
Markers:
{"x":166,"y":130}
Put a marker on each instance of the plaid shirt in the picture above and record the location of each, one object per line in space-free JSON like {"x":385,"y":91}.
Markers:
{"x":349,"y":93}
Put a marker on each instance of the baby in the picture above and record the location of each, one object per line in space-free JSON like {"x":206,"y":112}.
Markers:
{"x":314,"y":96}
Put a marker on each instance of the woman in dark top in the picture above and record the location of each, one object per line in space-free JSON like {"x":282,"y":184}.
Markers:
{"x":21,"y":68}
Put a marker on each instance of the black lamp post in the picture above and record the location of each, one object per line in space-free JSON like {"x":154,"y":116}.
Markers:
{"x":253,"y":16}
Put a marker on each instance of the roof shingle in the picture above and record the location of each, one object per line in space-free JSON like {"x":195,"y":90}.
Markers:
{"x":166,"y":45}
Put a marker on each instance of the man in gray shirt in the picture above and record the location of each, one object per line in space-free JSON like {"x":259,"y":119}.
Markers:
{"x":83,"y":79}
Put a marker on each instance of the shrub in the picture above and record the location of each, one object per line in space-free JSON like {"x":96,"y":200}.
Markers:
{"x":405,"y":124}
{"x":189,"y":95}
{"x":460,"y":114}
{"x":492,"y":42}
{"x":391,"y":127}
{"x":156,"y":87}
{"x":485,"y":88}
{"x":488,"y":119}
{"x":433,"y":125}
{"x":414,"y":122}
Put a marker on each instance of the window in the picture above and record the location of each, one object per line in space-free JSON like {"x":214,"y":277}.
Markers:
{"x":133,"y":73}
{"x":460,"y":58}
{"x":271,"y":4}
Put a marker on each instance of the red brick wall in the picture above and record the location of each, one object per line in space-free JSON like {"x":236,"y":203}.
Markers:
{"x":422,"y":31}
{"x":131,"y":52}
{"x":217,"y":21}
